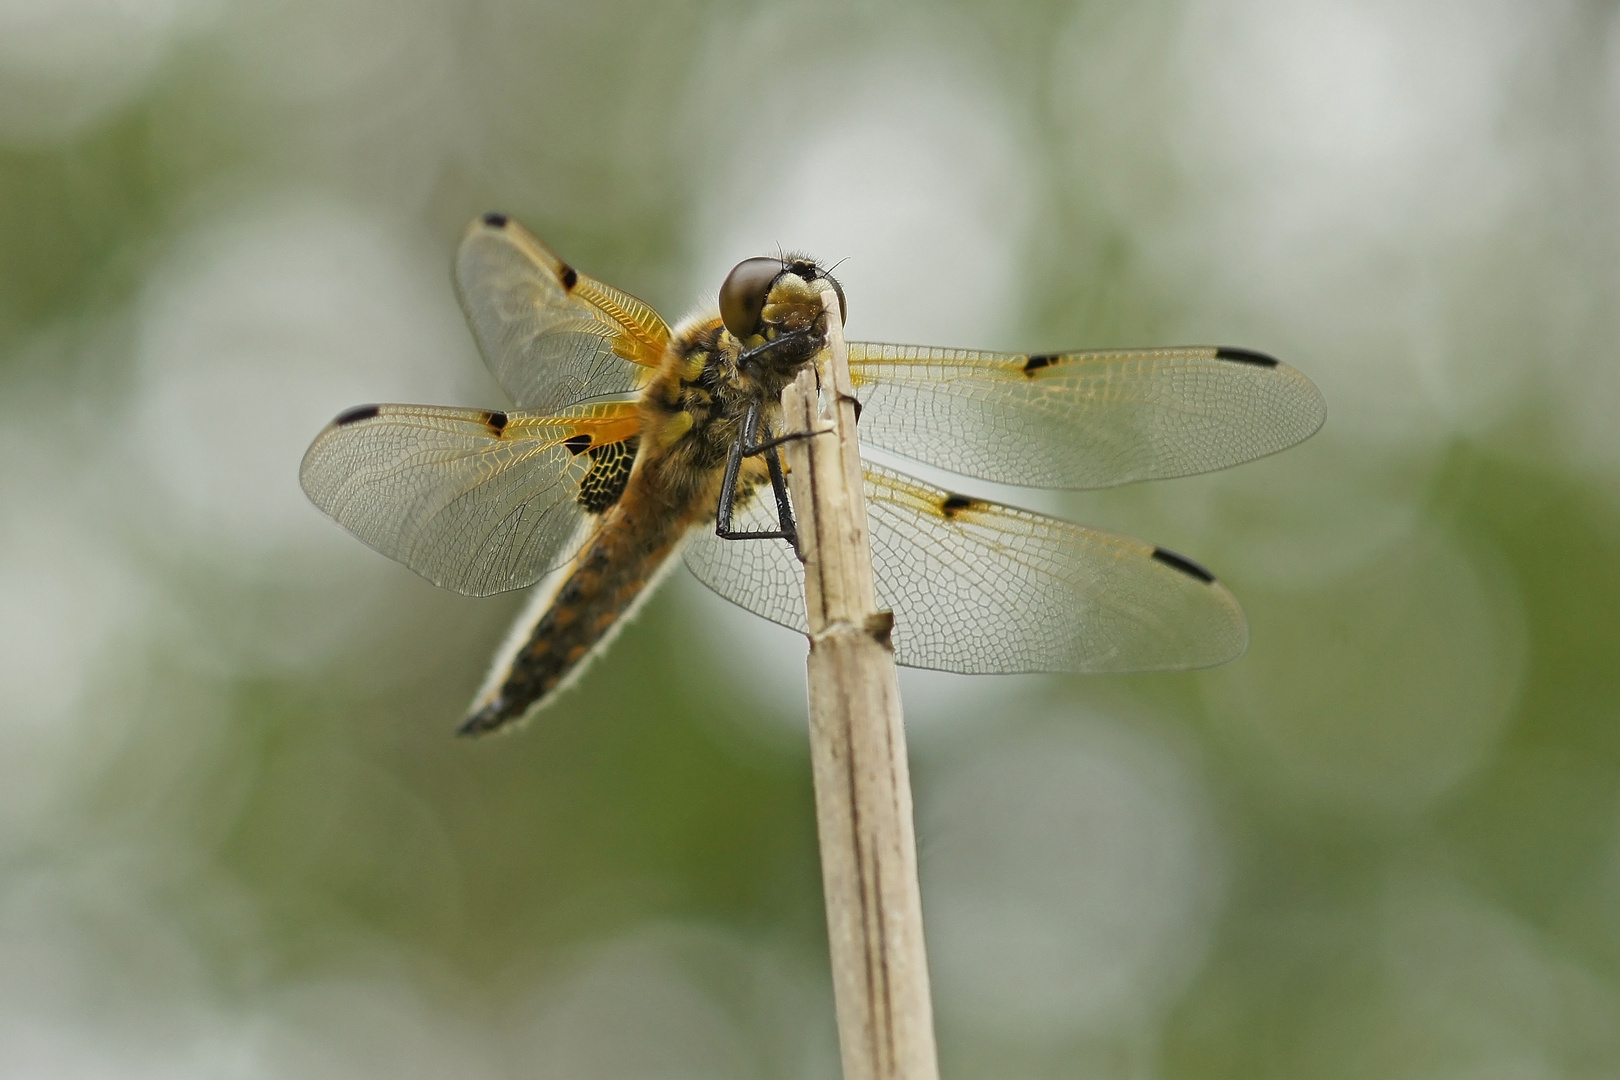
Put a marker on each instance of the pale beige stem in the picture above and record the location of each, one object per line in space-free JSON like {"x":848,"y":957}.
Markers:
{"x":857,"y":747}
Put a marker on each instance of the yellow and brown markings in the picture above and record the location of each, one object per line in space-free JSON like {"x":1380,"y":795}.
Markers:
{"x":645,"y":337}
{"x":478,"y":500}
{"x":650,"y":488}
{"x":642,"y":336}
{"x":693,"y":406}
{"x":609,"y":443}
{"x":637,"y":535}
{"x":579,"y":429}
{"x":601,"y":425}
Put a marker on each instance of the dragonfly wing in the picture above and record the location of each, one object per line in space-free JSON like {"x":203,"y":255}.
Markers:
{"x":1081,"y":419}
{"x":476,"y":501}
{"x":978,"y":587}
{"x":551,"y":335}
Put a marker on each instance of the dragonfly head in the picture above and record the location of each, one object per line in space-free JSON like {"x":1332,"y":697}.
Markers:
{"x":768,"y":299}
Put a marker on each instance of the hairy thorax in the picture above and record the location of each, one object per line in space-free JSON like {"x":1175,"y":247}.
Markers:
{"x":693,"y":408}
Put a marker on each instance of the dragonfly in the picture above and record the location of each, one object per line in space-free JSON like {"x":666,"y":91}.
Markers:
{"x":632,"y":443}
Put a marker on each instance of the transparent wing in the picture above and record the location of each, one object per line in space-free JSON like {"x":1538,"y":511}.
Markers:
{"x":978,"y":587}
{"x":1082,"y":419}
{"x":552,"y":336}
{"x":475,"y":501}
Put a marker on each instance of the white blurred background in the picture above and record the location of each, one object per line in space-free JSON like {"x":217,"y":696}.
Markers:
{"x":237,"y":839}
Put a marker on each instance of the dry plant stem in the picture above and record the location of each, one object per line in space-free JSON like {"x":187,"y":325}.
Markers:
{"x":857,"y":748}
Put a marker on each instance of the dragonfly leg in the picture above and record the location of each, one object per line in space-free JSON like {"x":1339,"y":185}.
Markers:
{"x":791,"y":337}
{"x":786,"y":528}
{"x":773,"y":443}
{"x":784,"y":507}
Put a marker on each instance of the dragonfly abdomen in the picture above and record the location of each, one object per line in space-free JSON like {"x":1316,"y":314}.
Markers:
{"x":584,"y":606}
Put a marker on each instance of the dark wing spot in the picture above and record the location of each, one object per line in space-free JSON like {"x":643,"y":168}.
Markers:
{"x":494,"y":220}
{"x":955,"y":504}
{"x":1245,"y":356}
{"x":1035,"y":363}
{"x":496,"y":422}
{"x":577,"y":444}
{"x":570,"y":277}
{"x":1182,"y":563}
{"x":610,"y":471}
{"x":357,"y":414}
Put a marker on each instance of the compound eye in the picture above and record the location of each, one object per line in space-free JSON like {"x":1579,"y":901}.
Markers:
{"x":742,"y":297}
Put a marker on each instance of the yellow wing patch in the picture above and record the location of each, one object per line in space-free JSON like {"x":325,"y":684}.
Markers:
{"x":551,"y":335}
{"x":641,"y":334}
{"x":582,"y":428}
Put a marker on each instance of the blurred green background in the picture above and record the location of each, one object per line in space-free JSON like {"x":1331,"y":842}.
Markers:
{"x":237,"y":837}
